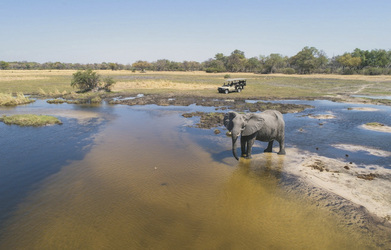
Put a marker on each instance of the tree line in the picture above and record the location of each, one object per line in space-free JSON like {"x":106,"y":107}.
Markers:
{"x":307,"y":61}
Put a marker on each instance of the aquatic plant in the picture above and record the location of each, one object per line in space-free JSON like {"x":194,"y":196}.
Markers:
{"x":30,"y":120}
{"x":9,"y":100}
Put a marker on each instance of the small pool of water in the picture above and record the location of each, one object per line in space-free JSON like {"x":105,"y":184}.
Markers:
{"x":131,"y":177}
{"x":373,"y":97}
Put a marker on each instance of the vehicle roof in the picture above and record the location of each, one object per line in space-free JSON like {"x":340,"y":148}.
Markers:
{"x":234,"y":79}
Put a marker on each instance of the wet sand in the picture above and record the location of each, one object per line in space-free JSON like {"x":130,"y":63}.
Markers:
{"x":378,"y":128}
{"x":369,"y":187}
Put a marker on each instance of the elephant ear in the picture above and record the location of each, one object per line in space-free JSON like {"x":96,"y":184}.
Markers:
{"x":254,"y":123}
{"x":228,"y":117}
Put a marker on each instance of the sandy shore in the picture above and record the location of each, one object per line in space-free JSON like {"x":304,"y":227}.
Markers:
{"x":368,"y":186}
{"x":378,"y":128}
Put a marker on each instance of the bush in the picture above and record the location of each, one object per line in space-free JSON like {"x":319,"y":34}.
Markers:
{"x":213,"y":70}
{"x":227,"y":76}
{"x":108,"y":83}
{"x":288,"y":71}
{"x":372,"y":71}
{"x":88,"y":80}
{"x":348,"y":71}
{"x":85,"y":80}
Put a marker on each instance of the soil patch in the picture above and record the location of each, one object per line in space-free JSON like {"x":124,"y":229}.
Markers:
{"x":207,"y":120}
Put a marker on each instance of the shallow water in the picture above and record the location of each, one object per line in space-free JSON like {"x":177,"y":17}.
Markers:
{"x":115,"y":177}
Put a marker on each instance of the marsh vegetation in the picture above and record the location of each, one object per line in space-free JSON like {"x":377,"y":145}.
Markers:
{"x":10,"y":100}
{"x":30,"y":120}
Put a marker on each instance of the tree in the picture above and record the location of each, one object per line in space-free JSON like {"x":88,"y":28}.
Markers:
{"x":253,"y":64}
{"x":4,"y":65}
{"x":273,"y":62}
{"x":141,"y":65}
{"x":347,"y":60}
{"x":214,"y":66}
{"x":220,"y":57}
{"x":236,"y":61}
{"x":85,"y":80}
{"x":308,"y":59}
{"x":113,"y":66}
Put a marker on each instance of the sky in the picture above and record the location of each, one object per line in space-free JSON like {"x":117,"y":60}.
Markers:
{"x":87,"y":31}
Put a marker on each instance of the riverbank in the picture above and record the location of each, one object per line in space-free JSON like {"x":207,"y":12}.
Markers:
{"x":361,"y":195}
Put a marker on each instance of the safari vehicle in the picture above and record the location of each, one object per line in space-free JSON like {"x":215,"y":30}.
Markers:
{"x":232,"y":85}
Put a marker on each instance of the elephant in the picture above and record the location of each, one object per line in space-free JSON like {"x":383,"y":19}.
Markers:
{"x":266,"y":126}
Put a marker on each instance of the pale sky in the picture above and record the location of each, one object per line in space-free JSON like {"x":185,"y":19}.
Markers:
{"x":87,"y":31}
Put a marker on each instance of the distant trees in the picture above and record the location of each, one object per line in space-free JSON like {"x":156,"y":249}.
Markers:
{"x":141,"y":65}
{"x":4,"y":65}
{"x":307,"y":61}
{"x":274,"y":63}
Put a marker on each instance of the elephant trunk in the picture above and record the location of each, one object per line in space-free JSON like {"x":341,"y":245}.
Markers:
{"x":234,"y":140}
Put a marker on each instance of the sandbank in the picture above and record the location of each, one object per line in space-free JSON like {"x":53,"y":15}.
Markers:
{"x":378,"y":128}
{"x":367,"y":186}
{"x":363,"y":109}
{"x":322,"y":117}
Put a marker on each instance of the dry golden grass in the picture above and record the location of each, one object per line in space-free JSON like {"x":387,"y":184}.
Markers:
{"x":57,"y":82}
{"x":379,"y":78}
{"x":9,"y":100}
{"x":158,"y":84}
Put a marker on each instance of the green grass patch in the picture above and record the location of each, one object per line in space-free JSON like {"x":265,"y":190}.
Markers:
{"x":375,"y":124}
{"x":30,"y":120}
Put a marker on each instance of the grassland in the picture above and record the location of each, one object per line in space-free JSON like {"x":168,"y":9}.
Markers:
{"x":276,"y":86}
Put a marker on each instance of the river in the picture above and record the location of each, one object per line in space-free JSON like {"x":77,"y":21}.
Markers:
{"x":136,"y":177}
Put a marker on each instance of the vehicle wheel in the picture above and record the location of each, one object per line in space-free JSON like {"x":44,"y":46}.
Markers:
{"x":239,"y":90}
{"x":226,"y":91}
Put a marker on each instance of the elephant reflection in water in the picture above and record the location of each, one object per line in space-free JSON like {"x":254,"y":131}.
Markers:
{"x":266,"y":126}
{"x":269,"y":165}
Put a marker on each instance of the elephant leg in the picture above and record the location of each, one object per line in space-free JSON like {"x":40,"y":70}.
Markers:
{"x":269,"y":148}
{"x":250,"y":144}
{"x":243,"y":144}
{"x":282,"y":146}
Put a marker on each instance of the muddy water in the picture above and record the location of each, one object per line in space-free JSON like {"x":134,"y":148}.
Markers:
{"x":138,"y":177}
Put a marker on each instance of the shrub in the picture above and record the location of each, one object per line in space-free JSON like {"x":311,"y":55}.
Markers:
{"x":372,"y":71}
{"x":348,"y":71}
{"x":227,"y":76}
{"x":288,"y":71}
{"x":85,"y":80}
{"x":108,"y":83}
{"x":213,"y":70}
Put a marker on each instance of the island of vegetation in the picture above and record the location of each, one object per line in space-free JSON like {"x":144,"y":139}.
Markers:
{"x":30,"y":120}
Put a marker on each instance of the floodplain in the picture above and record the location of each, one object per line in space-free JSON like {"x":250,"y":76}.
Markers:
{"x":144,"y":176}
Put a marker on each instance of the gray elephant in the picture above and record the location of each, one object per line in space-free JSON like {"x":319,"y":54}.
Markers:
{"x":266,"y":126}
